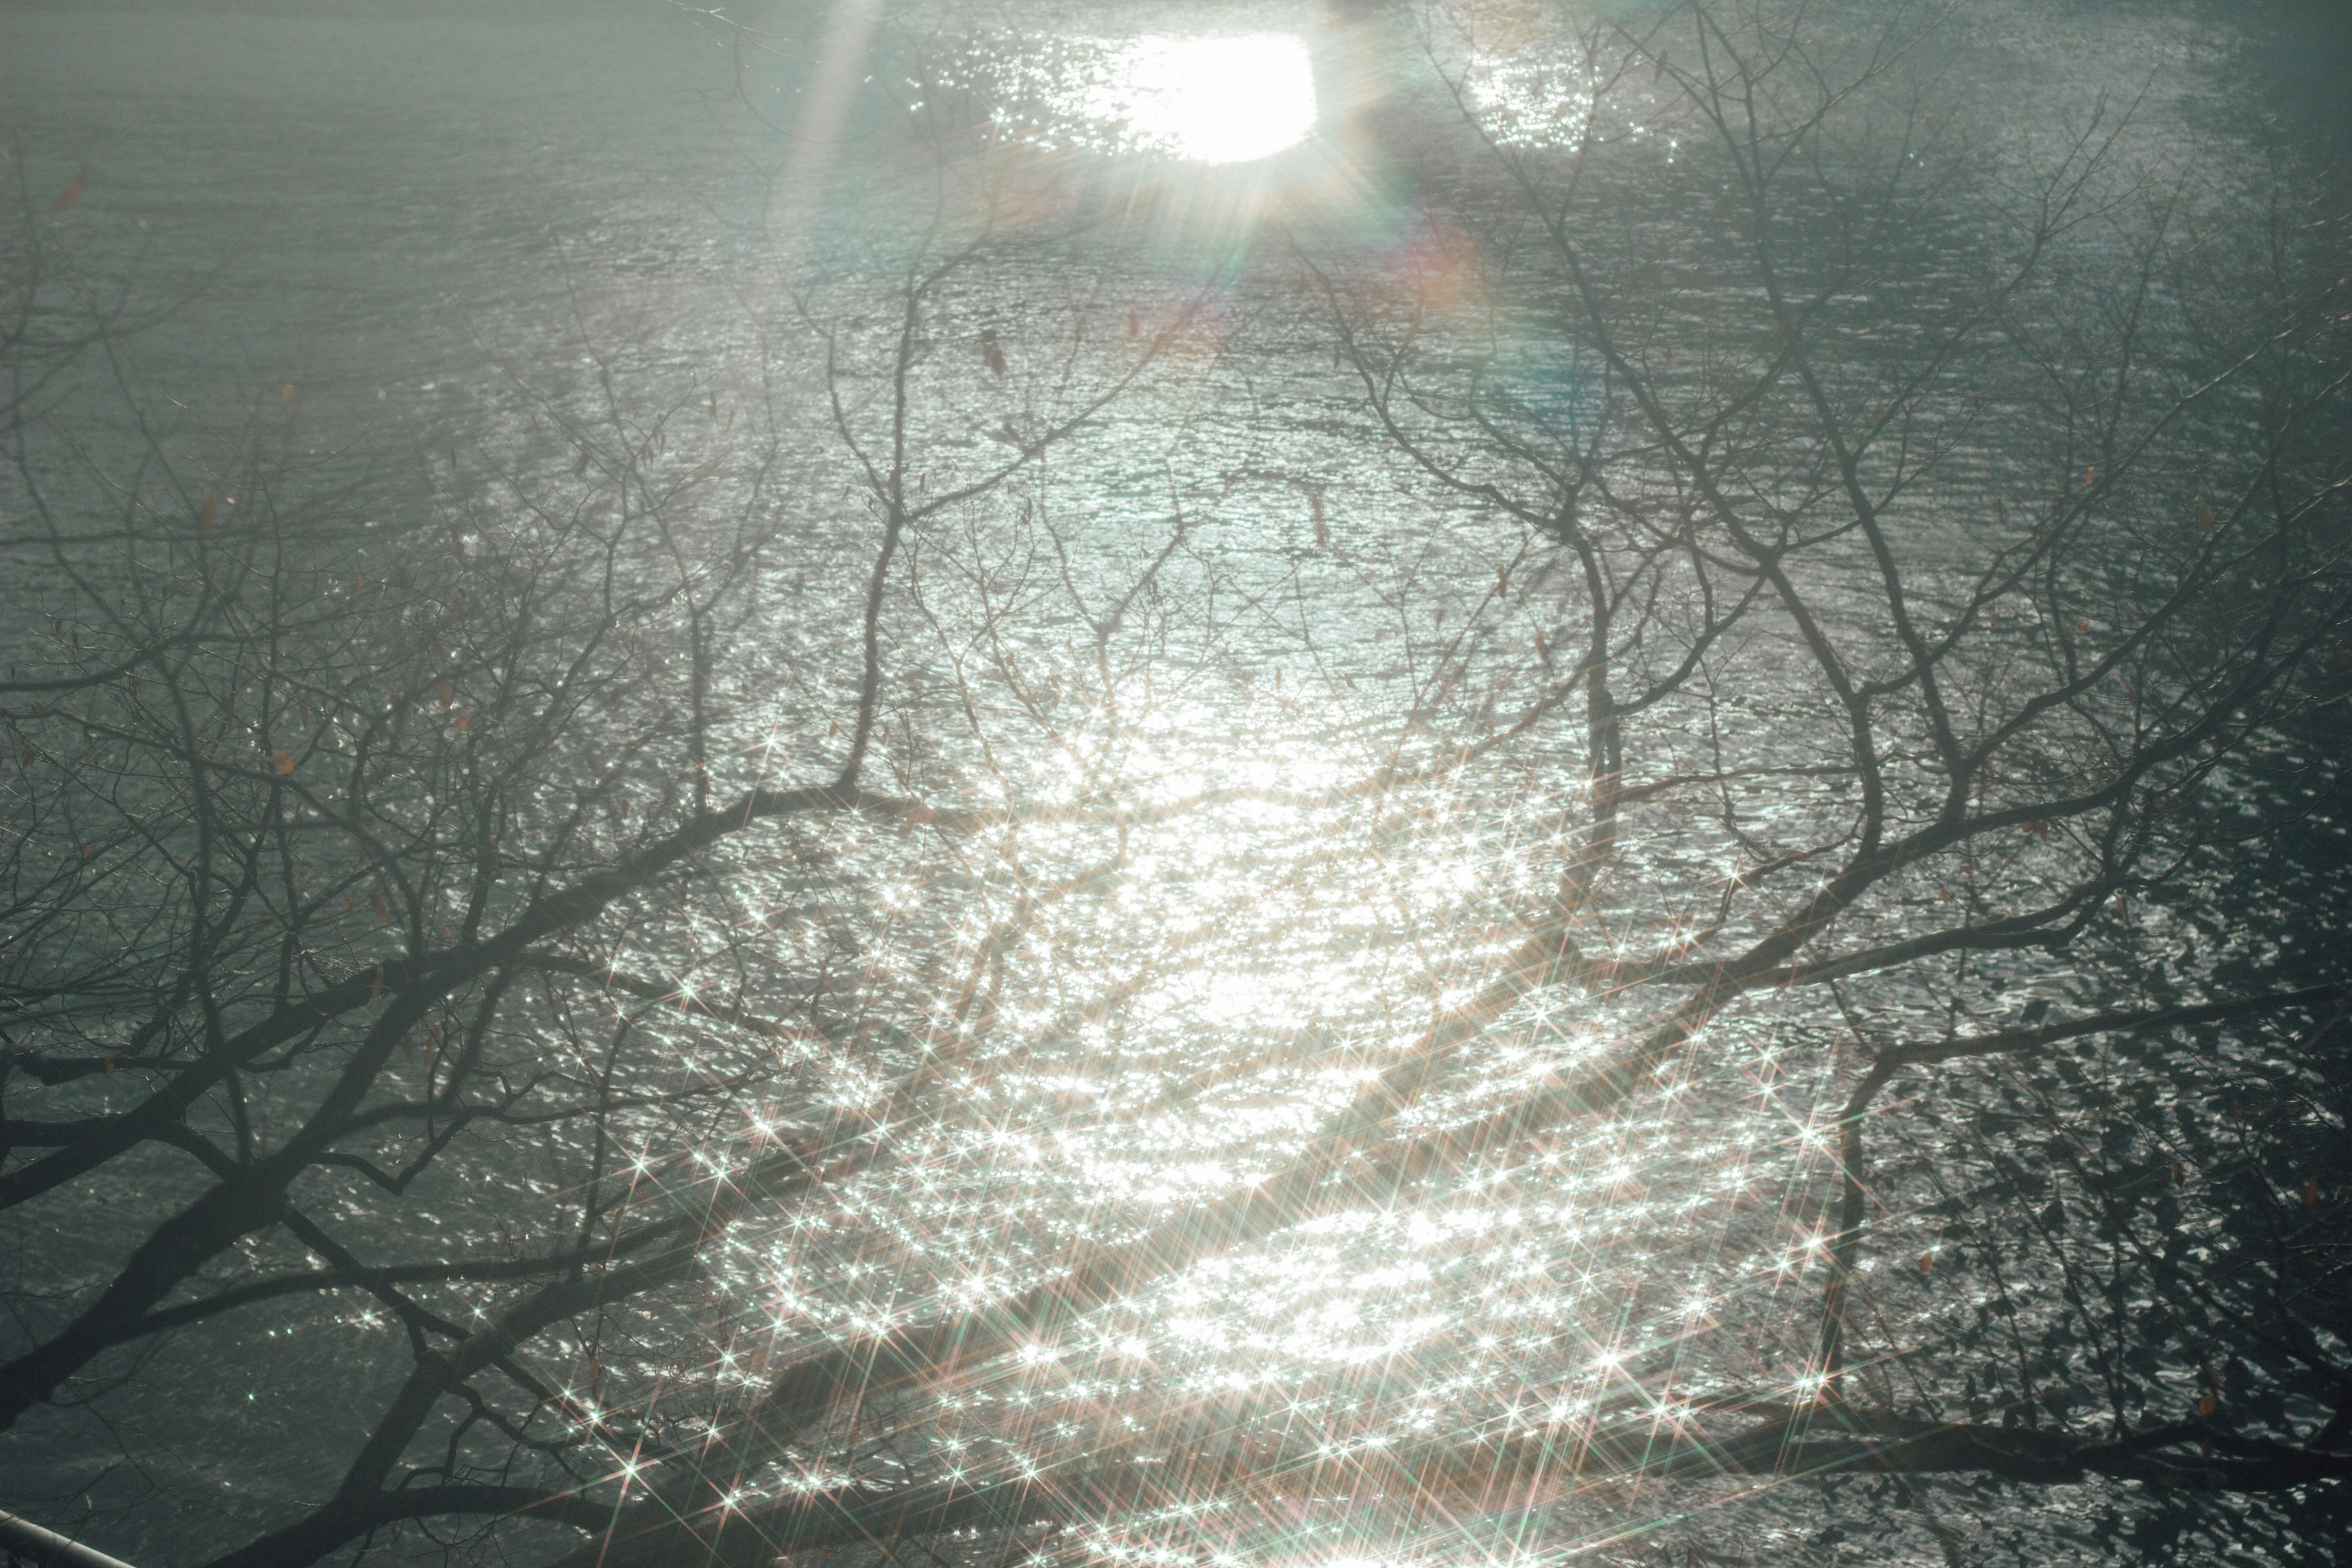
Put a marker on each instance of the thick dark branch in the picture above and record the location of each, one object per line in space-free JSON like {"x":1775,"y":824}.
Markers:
{"x":437,"y":973}
{"x":2025,"y":1040}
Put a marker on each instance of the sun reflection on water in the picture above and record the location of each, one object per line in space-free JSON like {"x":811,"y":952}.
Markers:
{"x":1208,"y":101}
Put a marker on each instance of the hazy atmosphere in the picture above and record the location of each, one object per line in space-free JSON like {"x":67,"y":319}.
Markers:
{"x":1374,"y":784}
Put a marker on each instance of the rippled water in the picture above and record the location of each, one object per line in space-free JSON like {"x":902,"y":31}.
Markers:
{"x":442,"y":234}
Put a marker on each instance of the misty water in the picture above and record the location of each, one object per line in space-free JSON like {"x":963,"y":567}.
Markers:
{"x":409,"y":248}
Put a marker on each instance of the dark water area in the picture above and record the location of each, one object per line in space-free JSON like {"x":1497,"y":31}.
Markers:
{"x":2304,"y":52}
{"x":404,"y":242}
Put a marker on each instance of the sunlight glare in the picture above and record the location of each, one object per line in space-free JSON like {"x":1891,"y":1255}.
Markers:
{"x":1212,"y":100}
